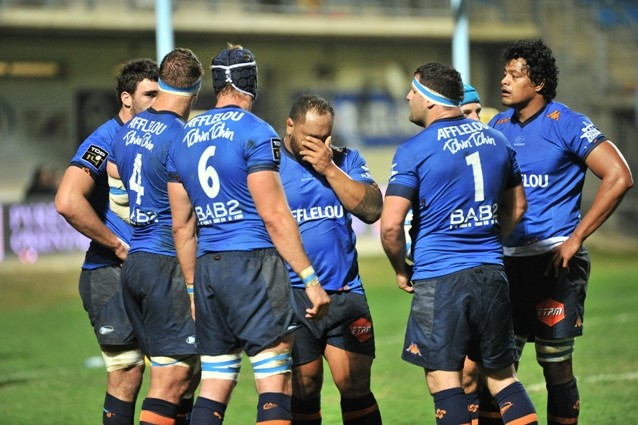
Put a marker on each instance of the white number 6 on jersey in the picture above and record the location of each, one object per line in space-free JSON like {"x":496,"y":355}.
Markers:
{"x":208,"y":177}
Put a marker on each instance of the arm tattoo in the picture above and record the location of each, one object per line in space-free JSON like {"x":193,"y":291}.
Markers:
{"x":369,"y":209}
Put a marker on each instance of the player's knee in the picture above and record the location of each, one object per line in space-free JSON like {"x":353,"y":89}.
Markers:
{"x":353,"y":385}
{"x":118,"y":360}
{"x":470,"y":376}
{"x":224,"y":367}
{"x":556,"y":358}
{"x":307,"y":385}
{"x":270,"y":363}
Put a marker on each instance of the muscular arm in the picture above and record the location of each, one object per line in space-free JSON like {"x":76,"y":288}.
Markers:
{"x":72,"y":202}
{"x":608,"y":164}
{"x":270,"y":200}
{"x":184,"y":233}
{"x":363,"y":200}
{"x":184,"y":229}
{"x":511,"y":209}
{"x":395,"y":209}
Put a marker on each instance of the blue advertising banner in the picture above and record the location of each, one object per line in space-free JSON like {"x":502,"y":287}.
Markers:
{"x":30,"y":230}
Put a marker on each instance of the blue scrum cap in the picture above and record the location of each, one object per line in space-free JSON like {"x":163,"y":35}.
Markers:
{"x":237,"y":67}
{"x":471,"y":95}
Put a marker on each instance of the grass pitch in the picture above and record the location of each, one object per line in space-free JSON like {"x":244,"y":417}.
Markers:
{"x":47,"y":345}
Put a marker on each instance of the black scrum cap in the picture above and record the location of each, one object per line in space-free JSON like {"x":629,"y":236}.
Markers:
{"x":237,"y":67}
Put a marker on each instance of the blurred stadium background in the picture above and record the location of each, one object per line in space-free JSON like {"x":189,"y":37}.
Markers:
{"x":58,"y":59}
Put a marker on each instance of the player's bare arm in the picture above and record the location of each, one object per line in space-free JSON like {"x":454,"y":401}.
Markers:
{"x":270,"y":201}
{"x":395,"y":209}
{"x":184,"y":234}
{"x":511,"y":209}
{"x":72,"y":202}
{"x":608,"y":164}
{"x":363,"y":200}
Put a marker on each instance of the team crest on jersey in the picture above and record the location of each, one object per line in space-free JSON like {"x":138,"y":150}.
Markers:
{"x":276,"y":148}
{"x":95,"y":156}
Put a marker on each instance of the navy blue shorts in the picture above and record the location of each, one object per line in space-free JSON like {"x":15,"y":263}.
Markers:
{"x":242,"y":301}
{"x":348,"y":326}
{"x":463,"y":313}
{"x":157,"y":304}
{"x":548,"y":307}
{"x":101,"y":295}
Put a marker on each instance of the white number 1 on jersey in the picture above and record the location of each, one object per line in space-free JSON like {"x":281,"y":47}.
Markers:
{"x":474,"y":160}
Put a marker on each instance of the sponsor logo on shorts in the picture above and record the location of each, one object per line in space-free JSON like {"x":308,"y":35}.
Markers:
{"x":105,"y":330}
{"x":190,"y":340}
{"x":361,"y":329}
{"x":440,"y":413}
{"x":413,"y":349}
{"x":550,"y":312}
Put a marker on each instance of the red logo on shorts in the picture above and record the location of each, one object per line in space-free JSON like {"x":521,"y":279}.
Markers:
{"x":550,"y":312}
{"x":361,"y":329}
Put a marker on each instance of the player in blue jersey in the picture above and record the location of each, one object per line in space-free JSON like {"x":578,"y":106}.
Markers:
{"x":546,"y":262}
{"x":325,"y":186}
{"x":153,"y":287}
{"x":83,"y":200}
{"x":232,"y":226}
{"x":462,"y":182}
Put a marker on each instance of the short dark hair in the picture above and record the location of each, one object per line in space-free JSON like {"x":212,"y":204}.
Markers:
{"x":181,"y":68}
{"x":309,"y":102}
{"x":132,"y":73}
{"x":443,"y":79}
{"x":541,"y":64}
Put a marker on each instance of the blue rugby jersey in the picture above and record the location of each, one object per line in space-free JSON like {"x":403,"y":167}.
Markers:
{"x":92,"y":156}
{"x":140,"y":151}
{"x":324,"y":223}
{"x":551,"y":149}
{"x":454,"y":173}
{"x":213,"y":157}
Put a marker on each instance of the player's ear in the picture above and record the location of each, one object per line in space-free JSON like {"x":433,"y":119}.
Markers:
{"x":290,"y":125}
{"x":126,"y":99}
{"x":328,"y":141}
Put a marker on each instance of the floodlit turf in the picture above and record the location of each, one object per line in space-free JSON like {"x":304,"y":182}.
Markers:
{"x":46,"y":340}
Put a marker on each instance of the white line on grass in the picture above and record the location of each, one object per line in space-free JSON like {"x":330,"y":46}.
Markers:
{"x":605,"y":377}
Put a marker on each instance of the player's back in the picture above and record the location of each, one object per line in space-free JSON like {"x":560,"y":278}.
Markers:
{"x":213,"y":157}
{"x":140,"y":152}
{"x":462,"y":168}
